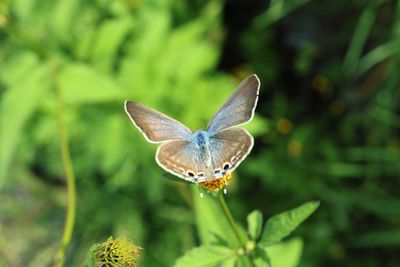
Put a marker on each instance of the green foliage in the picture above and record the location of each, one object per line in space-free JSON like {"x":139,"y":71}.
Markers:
{"x":281,"y":225}
{"x":211,"y":224}
{"x":261,"y":257}
{"x":326,"y":127}
{"x":254,"y":224}
{"x":80,"y":84}
{"x":286,"y":254}
{"x":207,"y":256}
{"x":27,"y":86}
{"x":268,"y":251}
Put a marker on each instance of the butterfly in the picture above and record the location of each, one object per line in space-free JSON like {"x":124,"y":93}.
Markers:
{"x":205,"y":154}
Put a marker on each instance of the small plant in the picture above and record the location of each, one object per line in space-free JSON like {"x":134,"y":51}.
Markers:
{"x":118,"y":252}
{"x":251,"y":247}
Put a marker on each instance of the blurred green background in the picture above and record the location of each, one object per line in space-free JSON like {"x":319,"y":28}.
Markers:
{"x":327,"y":123}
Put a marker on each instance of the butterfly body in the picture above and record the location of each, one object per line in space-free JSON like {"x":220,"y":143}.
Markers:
{"x":205,"y":154}
{"x":201,"y":140}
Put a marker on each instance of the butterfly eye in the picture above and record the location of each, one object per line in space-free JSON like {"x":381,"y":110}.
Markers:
{"x":191,"y":174}
{"x":227,"y":165}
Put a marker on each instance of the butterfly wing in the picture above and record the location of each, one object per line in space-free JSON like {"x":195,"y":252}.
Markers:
{"x":227,"y":146}
{"x":156,"y":126}
{"x":228,"y":149}
{"x":239,"y":108}
{"x":181,"y":158}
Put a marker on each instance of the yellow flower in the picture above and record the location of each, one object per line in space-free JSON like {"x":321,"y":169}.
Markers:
{"x":217,"y":184}
{"x":118,"y":252}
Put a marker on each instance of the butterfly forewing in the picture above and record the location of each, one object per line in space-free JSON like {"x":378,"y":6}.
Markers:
{"x":156,"y":126}
{"x":228,"y":148}
{"x":239,"y":108}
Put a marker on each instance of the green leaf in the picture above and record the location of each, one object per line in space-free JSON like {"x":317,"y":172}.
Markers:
{"x":105,"y":49}
{"x":90,"y":256}
{"x":261,"y":258}
{"x":112,"y":144}
{"x":286,"y":254}
{"x":62,"y":18}
{"x":377,"y":55}
{"x":260,"y":262}
{"x":187,"y":54}
{"x":281,"y":225}
{"x":82,"y":84}
{"x":276,"y":11}
{"x":242,"y":261}
{"x":254,"y":224}
{"x":18,"y":104}
{"x":229,"y":263}
{"x":360,"y":36}
{"x":211,"y":221}
{"x":206,"y":256}
{"x":23,"y":9}
{"x":220,"y":240}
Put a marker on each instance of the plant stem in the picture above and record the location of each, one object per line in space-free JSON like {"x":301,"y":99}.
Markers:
{"x":70,"y":178}
{"x":230,"y":219}
{"x":233,"y":225}
{"x":65,"y":155}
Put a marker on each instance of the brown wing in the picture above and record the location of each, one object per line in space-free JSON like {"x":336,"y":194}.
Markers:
{"x":239,"y":108}
{"x":228,"y":149}
{"x":156,"y":126}
{"x":182,"y":159}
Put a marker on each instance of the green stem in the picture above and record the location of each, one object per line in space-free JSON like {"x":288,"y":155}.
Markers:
{"x":230,"y":219}
{"x":233,"y":225}
{"x":65,"y":154}
{"x":71,"y":190}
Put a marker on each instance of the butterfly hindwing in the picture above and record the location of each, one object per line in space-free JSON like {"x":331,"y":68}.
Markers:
{"x":182,"y":159}
{"x":228,"y":148}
